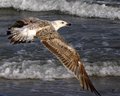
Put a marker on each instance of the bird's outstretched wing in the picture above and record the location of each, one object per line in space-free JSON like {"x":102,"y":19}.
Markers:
{"x":70,"y":59}
{"x":24,"y":30}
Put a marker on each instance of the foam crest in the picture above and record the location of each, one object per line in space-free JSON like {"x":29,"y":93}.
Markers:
{"x":48,"y":70}
{"x":104,"y":69}
{"x":33,"y":70}
{"x":78,"y":8}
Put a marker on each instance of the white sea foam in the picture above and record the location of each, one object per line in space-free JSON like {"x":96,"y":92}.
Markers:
{"x":76,"y":7}
{"x":104,"y":69}
{"x":29,"y":69}
{"x":33,"y":70}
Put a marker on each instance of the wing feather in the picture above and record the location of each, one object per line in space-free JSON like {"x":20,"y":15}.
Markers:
{"x":25,"y":30}
{"x":23,"y":22}
{"x":71,"y":60}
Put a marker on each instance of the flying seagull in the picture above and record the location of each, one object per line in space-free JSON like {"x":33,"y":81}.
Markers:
{"x":27,"y":29}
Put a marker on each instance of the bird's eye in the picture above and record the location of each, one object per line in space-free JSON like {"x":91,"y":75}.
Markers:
{"x":62,"y":22}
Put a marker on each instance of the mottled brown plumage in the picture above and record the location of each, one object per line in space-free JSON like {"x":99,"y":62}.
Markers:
{"x":71,"y":60}
{"x":25,"y":30}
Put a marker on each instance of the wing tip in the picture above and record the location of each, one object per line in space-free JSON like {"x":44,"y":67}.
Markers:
{"x":8,"y":32}
{"x":86,"y":83}
{"x":98,"y":94}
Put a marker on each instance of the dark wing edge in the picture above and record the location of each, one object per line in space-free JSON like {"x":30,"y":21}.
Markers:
{"x":71,"y":60}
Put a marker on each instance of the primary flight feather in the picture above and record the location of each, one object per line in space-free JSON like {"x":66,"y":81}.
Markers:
{"x":27,"y":29}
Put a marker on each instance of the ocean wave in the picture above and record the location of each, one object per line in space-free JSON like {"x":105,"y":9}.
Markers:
{"x":77,"y":7}
{"x":28,"y":69}
{"x":38,"y":69}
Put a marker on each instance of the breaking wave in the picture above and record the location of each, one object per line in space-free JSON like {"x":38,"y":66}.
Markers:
{"x":28,"y":69}
{"x":49,"y":69}
{"x":73,"y":7}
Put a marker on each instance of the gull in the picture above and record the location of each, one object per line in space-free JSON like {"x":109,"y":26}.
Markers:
{"x":25,"y":30}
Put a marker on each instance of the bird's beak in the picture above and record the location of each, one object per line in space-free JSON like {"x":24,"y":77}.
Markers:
{"x":68,"y":24}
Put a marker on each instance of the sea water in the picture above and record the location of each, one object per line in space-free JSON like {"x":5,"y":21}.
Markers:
{"x":95,"y":34}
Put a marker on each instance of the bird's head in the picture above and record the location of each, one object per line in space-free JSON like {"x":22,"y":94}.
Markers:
{"x":57,"y":24}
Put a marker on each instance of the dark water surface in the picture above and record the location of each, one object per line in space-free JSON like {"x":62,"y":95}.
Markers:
{"x":107,"y":86}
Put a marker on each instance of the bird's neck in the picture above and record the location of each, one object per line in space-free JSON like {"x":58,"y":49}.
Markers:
{"x":56,"y":27}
